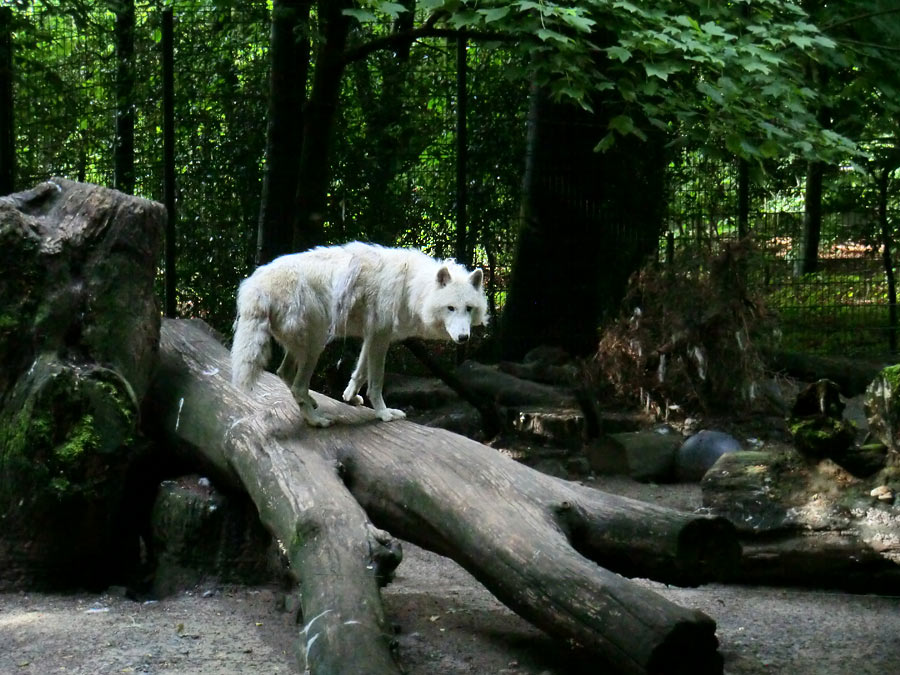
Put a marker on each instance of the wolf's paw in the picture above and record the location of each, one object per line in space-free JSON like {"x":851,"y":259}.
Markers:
{"x":314,"y":419}
{"x":351,"y":394}
{"x":388,"y":414}
{"x":353,"y":399}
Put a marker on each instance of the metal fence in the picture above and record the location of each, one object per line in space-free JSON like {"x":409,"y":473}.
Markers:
{"x":64,"y":72}
{"x":842,"y":308}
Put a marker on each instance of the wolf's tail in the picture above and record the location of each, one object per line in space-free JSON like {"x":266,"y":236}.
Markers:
{"x":251,"y":348}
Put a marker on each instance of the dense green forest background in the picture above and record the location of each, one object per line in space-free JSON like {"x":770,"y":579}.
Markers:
{"x":557,"y":144}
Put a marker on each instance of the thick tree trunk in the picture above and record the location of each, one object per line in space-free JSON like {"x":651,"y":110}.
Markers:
{"x":79,"y":329}
{"x":533,"y":540}
{"x":123,"y":175}
{"x":807,"y":261}
{"x":289,"y":65}
{"x":7,"y":122}
{"x":589,"y":219}
{"x":318,"y":125}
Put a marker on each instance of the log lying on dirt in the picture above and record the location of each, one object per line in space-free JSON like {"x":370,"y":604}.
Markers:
{"x":805,"y":521}
{"x":533,"y":540}
{"x":335,"y":553}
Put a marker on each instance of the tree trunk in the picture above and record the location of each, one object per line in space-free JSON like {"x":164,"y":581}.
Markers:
{"x":887,"y":243}
{"x":808,"y":260}
{"x":79,"y":329}
{"x":589,"y":220}
{"x":533,"y":540}
{"x":123,"y":178}
{"x":7,"y":122}
{"x":289,"y":65}
{"x":318,"y":124}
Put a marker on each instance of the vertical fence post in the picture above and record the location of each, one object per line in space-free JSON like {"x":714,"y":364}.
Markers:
{"x":743,"y":198}
{"x":887,"y":259}
{"x":462,"y":248}
{"x":168,"y":63}
{"x":7,"y":126}
{"x":462,"y":252}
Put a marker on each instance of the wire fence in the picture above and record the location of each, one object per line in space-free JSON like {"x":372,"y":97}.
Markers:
{"x":843,"y":308}
{"x":395,"y":185}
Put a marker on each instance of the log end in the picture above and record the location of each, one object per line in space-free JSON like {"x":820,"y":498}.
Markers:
{"x":708,"y":550}
{"x":691,"y":647}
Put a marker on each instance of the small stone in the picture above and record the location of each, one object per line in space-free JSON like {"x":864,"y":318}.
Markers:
{"x":882,"y":492}
{"x":699,"y":452}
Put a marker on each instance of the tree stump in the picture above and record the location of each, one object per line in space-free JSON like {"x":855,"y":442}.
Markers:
{"x":536,"y":542}
{"x":79,"y":330}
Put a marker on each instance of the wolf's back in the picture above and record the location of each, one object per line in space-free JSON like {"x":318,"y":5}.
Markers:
{"x":251,"y":348}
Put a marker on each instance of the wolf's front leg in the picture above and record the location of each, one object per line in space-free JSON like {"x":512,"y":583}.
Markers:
{"x":358,"y":378}
{"x":377,"y":355}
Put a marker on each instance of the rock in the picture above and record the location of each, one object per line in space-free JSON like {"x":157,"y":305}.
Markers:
{"x":200,"y":535}
{"x":864,"y":460}
{"x":699,"y":452}
{"x":748,"y":488}
{"x":882,"y":406}
{"x":822,"y":397}
{"x":817,"y":422}
{"x":882,"y":493}
{"x":643,"y":455}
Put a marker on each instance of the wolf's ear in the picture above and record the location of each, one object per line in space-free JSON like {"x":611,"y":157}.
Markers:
{"x":443,"y":276}
{"x":476,"y":278}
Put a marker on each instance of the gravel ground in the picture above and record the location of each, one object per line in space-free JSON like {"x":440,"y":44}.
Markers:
{"x":446,"y":623}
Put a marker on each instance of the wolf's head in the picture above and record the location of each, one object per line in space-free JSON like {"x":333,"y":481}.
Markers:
{"x":458,"y":302}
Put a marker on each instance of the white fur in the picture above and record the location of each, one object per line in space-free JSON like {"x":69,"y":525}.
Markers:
{"x":380,"y":294}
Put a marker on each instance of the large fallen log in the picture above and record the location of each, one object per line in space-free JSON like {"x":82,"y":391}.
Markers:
{"x":532,"y":540}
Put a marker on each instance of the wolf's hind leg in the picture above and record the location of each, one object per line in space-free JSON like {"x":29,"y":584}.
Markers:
{"x":377,"y":355}
{"x":304,"y":368}
{"x":358,"y":378}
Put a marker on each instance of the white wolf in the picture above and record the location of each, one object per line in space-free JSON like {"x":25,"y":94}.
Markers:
{"x":380,"y":294}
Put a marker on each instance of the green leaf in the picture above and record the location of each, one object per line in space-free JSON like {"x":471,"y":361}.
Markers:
{"x":545,"y":34}
{"x":714,"y":29}
{"x":660,"y":70}
{"x":393,"y":9}
{"x":579,"y":22}
{"x":769,"y":148}
{"x":494,"y":14}
{"x":466,"y":17}
{"x":618,"y":53}
{"x":622,"y":123}
{"x":688,"y":22}
{"x":605,"y":143}
{"x":361,"y":15}
{"x":801,"y":41}
{"x":710,"y":91}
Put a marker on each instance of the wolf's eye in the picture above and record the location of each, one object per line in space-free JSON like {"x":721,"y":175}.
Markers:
{"x":451,"y":308}
{"x":469,"y":308}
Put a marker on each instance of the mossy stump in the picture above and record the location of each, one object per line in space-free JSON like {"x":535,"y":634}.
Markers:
{"x":79,"y":333}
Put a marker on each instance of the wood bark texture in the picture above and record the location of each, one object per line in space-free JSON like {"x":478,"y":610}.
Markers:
{"x":79,"y":330}
{"x":536,"y":542}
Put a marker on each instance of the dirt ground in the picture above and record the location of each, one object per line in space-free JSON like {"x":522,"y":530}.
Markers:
{"x":445,"y":622}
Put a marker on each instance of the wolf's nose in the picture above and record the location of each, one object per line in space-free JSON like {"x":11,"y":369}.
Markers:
{"x":462,"y":337}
